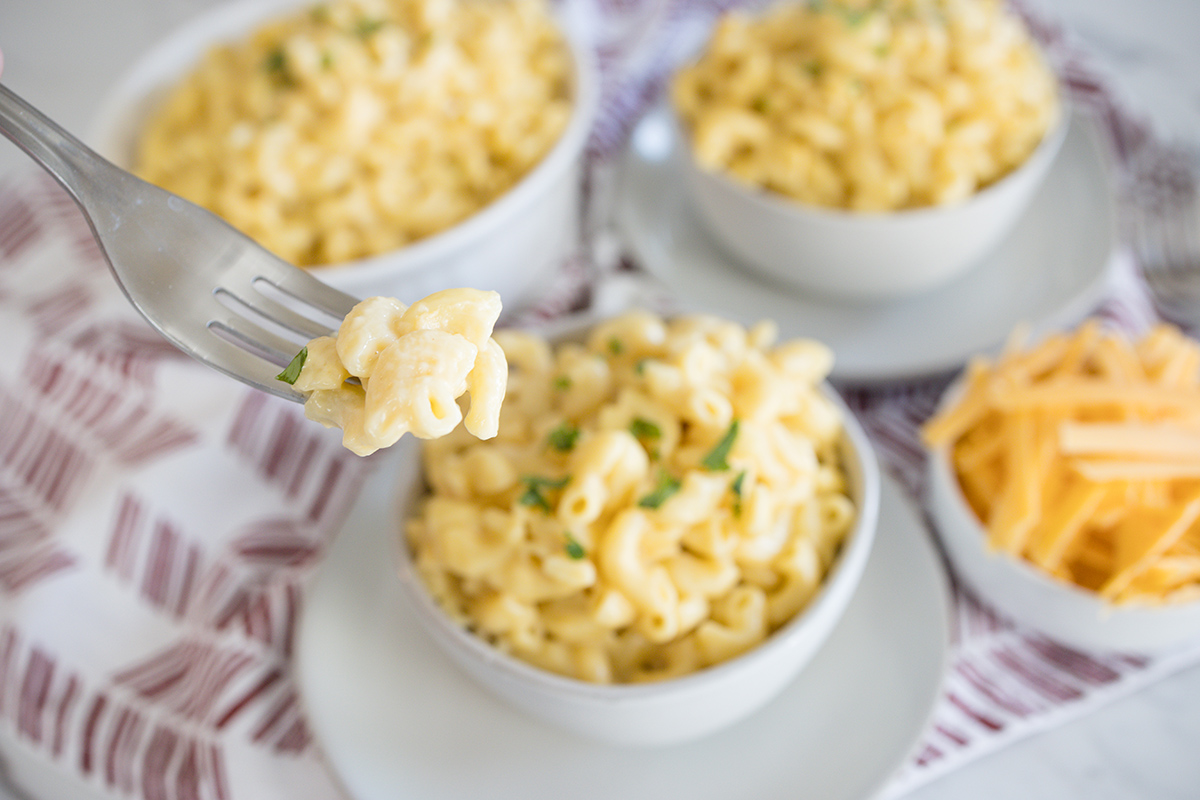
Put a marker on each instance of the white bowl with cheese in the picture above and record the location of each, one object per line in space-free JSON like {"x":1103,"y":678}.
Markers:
{"x":1038,"y":601}
{"x":513,"y":245}
{"x":1062,"y":486}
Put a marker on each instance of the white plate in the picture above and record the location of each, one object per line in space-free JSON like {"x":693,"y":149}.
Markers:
{"x":1050,"y":270}
{"x":397,"y":719}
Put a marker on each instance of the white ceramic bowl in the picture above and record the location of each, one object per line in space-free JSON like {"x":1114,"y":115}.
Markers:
{"x":673,"y":710}
{"x":511,"y":246}
{"x":862,"y":256}
{"x":1063,"y":611}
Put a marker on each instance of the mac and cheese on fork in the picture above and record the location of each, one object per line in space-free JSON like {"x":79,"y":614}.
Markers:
{"x":657,"y":499}
{"x":411,"y":365}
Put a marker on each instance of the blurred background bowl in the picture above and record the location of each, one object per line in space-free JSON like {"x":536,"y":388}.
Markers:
{"x":863,"y":256}
{"x":672,"y":710}
{"x":1063,"y":611}
{"x":512,"y":246}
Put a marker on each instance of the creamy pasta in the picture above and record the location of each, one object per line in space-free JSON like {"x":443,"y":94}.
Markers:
{"x":392,"y":369}
{"x":358,"y":126}
{"x":870,"y":106}
{"x":657,"y":499}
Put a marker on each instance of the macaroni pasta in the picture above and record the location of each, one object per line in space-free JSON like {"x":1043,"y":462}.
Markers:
{"x":657,"y":499}
{"x":874,"y":106}
{"x":411,"y":364}
{"x":359,"y":126}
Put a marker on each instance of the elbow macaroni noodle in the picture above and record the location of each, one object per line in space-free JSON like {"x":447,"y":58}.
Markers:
{"x":359,"y":126}
{"x":411,"y":364}
{"x":657,"y":499}
{"x":871,"y":107}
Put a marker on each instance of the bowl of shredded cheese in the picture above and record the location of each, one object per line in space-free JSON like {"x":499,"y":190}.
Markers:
{"x":1064,"y":483}
{"x":392,"y":147}
{"x":866,"y":151}
{"x":670,"y":520}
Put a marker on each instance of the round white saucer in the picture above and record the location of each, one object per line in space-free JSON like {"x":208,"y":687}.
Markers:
{"x":397,"y":719}
{"x":1050,"y":270}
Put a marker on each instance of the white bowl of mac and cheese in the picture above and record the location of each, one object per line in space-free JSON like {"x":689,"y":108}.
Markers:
{"x":393,"y":147}
{"x":866,"y":152}
{"x":669,"y":523}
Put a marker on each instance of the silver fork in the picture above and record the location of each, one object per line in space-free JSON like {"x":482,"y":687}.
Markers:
{"x":1162,"y":213}
{"x":209,"y":289}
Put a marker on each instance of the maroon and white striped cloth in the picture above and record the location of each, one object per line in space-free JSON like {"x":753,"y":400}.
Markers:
{"x":158,"y":521}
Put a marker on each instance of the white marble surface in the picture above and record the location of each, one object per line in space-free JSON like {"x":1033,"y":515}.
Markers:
{"x":62,"y":55}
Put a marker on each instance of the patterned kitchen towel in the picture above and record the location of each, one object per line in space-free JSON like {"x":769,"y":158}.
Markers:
{"x":158,"y":522}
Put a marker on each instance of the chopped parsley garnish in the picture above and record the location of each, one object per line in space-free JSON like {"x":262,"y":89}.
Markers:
{"x":326,"y":60}
{"x":616,"y":346}
{"x":814,"y":68}
{"x":646,"y":432}
{"x":644,"y":429}
{"x":277,"y":67}
{"x":640,"y":366}
{"x":562,"y":382}
{"x":574,"y":548}
{"x":368,"y":26}
{"x":276,"y":60}
{"x":292,"y":371}
{"x":761,"y":105}
{"x":717,"y":459}
{"x":535,"y":484}
{"x":665,"y":487}
{"x":855,"y":17}
{"x":563,"y":437}
{"x":736,"y":487}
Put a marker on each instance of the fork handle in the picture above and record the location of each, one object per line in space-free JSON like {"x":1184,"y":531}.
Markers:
{"x":86,"y":176}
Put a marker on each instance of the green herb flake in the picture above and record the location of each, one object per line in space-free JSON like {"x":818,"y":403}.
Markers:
{"x":368,"y":26}
{"x":534,"y":485}
{"x":563,"y":437}
{"x":276,"y":61}
{"x":276,"y":66}
{"x":616,"y":346}
{"x":326,"y":60}
{"x":855,"y":18}
{"x":573,"y":547}
{"x":534,"y":499}
{"x":761,"y":105}
{"x":640,"y":366}
{"x":292,"y":371}
{"x":737,"y":487}
{"x":814,"y":68}
{"x":717,"y":459}
{"x":562,"y":383}
{"x":665,"y":487}
{"x":644,"y":429}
